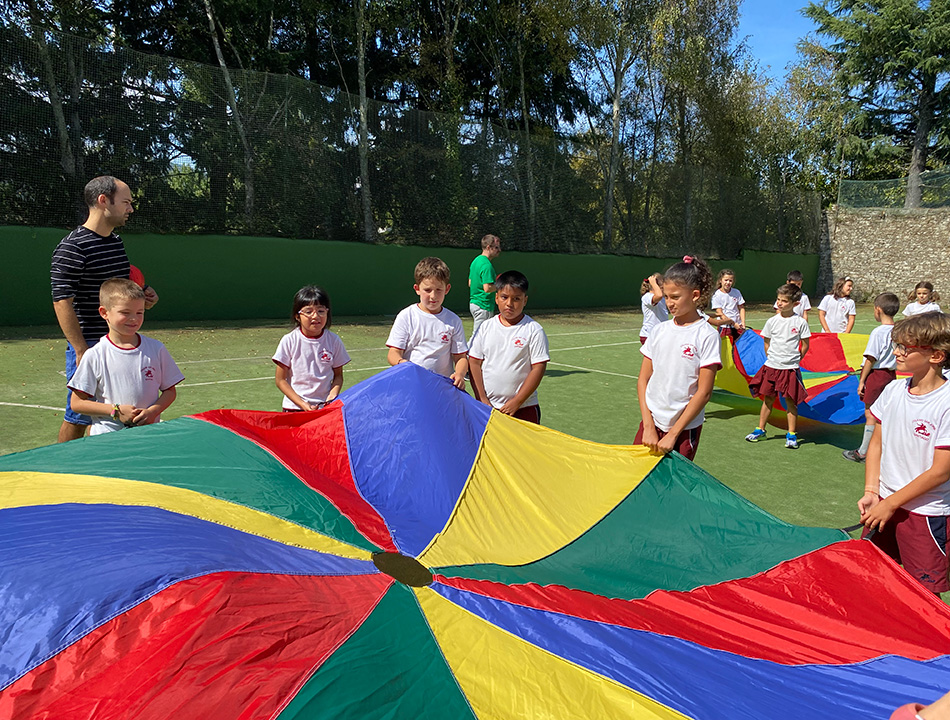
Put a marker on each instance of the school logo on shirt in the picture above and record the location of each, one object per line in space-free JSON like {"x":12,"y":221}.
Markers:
{"x":445,"y":337}
{"x":923,"y":429}
{"x":794,"y":330}
{"x":689,"y":351}
{"x":520,"y":342}
{"x":326,"y":356}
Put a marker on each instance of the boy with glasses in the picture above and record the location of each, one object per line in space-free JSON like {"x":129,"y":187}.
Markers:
{"x":906,"y":501}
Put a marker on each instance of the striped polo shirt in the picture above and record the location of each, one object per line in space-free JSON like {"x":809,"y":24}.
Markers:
{"x":82,"y":261}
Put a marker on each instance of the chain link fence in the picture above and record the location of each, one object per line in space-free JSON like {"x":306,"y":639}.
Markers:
{"x":280,"y":156}
{"x":935,"y":192}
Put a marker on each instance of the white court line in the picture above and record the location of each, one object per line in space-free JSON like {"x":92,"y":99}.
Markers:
{"x":594,"y":332}
{"x":261,"y":357}
{"x":266,"y":377}
{"x":602,"y":372}
{"x":588,"y":347}
{"x":35,"y":407}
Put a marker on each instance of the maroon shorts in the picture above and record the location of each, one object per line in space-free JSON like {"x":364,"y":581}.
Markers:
{"x":643,"y":340}
{"x":920,"y":544}
{"x":530,"y":413}
{"x":875,"y":384}
{"x":687,"y":443}
{"x":769,"y":382}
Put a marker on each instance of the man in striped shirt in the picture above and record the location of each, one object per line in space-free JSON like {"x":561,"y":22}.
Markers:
{"x":83,"y":260}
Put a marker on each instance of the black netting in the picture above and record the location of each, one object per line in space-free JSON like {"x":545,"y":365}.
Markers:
{"x":72,"y":110}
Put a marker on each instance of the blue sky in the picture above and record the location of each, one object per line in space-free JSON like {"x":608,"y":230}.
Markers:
{"x":771,"y":28}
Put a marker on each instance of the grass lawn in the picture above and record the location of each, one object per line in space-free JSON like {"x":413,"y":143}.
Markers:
{"x":589,"y":391}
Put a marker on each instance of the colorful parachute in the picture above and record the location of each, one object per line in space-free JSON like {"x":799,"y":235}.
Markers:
{"x":828,"y":371}
{"x":404,"y":554}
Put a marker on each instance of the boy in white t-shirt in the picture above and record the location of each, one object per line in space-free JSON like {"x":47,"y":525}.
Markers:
{"x":509,"y":353}
{"x":906,"y":490}
{"x":428,"y":334}
{"x":126,"y":378}
{"x":795,"y":277}
{"x":786,"y":338}
{"x":878,"y":368}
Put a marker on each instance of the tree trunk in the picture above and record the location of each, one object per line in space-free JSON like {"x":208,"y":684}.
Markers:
{"x":529,"y":165}
{"x":614,"y":162}
{"x":918,"y":156}
{"x":238,"y":124}
{"x":66,"y":158}
{"x":366,"y":198}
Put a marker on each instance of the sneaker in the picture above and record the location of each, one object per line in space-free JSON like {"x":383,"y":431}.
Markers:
{"x":755,"y":435}
{"x":791,"y":441}
{"x":853,"y":456}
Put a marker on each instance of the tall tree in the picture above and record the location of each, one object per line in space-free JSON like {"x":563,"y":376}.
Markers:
{"x":893,"y":57}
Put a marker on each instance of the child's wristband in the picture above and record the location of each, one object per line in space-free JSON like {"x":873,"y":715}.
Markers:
{"x":115,"y":412}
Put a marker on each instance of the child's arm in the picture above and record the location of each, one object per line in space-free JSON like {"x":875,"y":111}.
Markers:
{"x":394,"y":356}
{"x":805,"y":315}
{"x":722,"y":318}
{"x":650,"y":435}
{"x":876,"y":514}
{"x":866,"y":370}
{"x":478,"y":380}
{"x":821,"y":319}
{"x":529,"y":385}
{"x":83,"y":404}
{"x":143,"y":416}
{"x":766,"y":342}
{"x":872,"y":474}
{"x":336,"y":384}
{"x":850,"y":323}
{"x":460,"y":361}
{"x":707,"y":378}
{"x":657,"y":290}
{"x":805,"y":342}
{"x":742,"y":316}
{"x":282,"y":380}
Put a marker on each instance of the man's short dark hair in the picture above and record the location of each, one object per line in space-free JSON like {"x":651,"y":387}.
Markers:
{"x":889,"y":303}
{"x":512,"y":278}
{"x":102,"y":185}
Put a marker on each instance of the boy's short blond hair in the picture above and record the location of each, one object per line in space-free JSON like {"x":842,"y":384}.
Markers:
{"x":116,"y":289}
{"x":930,"y":330}
{"x":432,"y":268}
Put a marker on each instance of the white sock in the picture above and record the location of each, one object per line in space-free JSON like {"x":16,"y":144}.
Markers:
{"x":866,"y":440}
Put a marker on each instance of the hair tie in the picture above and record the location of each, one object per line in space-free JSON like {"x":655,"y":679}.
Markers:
{"x":688,"y":259}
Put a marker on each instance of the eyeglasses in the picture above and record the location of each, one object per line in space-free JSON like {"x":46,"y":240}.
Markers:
{"x":902,"y":349}
{"x":319,"y":312}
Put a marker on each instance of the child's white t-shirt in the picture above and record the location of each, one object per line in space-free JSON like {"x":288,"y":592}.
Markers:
{"x":915,"y":308}
{"x":912,"y":427}
{"x":728,"y":302}
{"x":311,"y":362}
{"x":879,"y":347}
{"x":428,"y":340}
{"x":784,"y":335}
{"x":507,"y":354}
{"x":803,"y":305}
{"x":114,"y":375}
{"x":653,"y":314}
{"x":836,"y":312}
{"x":678,"y":352}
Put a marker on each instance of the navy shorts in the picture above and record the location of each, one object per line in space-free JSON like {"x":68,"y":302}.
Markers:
{"x":70,"y":416}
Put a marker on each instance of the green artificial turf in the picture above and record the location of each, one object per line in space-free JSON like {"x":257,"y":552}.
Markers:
{"x":589,"y":391}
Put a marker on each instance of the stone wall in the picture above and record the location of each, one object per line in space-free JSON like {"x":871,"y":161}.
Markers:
{"x":886,"y":250}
